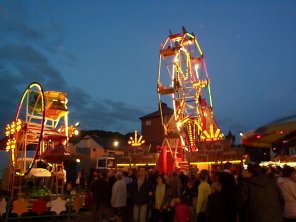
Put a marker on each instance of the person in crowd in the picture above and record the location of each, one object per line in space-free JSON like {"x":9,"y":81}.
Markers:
{"x":259,"y":198}
{"x":218,"y":207}
{"x":274,"y":172}
{"x":175,"y":186}
{"x":129,"y":202}
{"x":111,"y":180}
{"x":241,"y":180}
{"x":141,"y":192}
{"x":160,"y":197}
{"x":204,"y":190}
{"x":228,"y":182}
{"x":193,"y":192}
{"x":288,"y":188}
{"x":194,"y":189}
{"x":184,"y":179}
{"x":182,"y":211}
{"x":118,"y":198}
{"x":99,"y":190}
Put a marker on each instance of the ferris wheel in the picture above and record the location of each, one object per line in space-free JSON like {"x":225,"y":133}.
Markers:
{"x":26,"y":131}
{"x":183,"y":80}
{"x":39,"y":131}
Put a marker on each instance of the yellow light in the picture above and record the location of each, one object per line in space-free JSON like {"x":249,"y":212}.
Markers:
{"x":18,"y":125}
{"x":179,"y":124}
{"x":76,"y":132}
{"x":212,"y":131}
{"x":136,"y":164}
{"x":217,"y":133}
{"x":135,"y":141}
{"x":216,"y":162}
{"x":11,"y":146}
{"x":206,"y":134}
{"x":116,"y":143}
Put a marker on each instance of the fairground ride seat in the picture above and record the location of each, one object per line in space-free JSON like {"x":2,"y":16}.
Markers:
{"x":55,"y":104}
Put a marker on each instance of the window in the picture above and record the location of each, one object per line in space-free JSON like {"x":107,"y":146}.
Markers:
{"x":111,"y":153}
{"x":148,"y":122}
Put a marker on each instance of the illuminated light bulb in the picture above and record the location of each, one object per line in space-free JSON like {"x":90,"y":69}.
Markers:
{"x":7,"y":132}
{"x":76,"y":132}
{"x":116,"y":143}
{"x":179,"y":124}
{"x":176,"y":59}
{"x":135,"y":141}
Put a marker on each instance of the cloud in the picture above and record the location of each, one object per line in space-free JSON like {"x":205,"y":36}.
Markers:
{"x":16,"y":27}
{"x":26,"y":56}
{"x":105,"y":114}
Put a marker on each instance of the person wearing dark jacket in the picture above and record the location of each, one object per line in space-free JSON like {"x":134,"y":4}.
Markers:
{"x":259,"y":198}
{"x":228,"y":183}
{"x":99,"y":191}
{"x":141,"y":192}
{"x":218,"y":207}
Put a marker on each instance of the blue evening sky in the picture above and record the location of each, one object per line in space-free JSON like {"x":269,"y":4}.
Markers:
{"x":104,"y":54}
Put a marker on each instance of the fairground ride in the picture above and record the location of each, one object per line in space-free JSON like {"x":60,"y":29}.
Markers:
{"x":40,"y":126}
{"x":183,"y":79}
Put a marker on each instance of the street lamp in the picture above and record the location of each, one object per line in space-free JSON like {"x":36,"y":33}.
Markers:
{"x":115,"y":143}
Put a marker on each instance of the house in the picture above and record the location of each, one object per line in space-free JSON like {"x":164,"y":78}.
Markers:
{"x":93,"y":145}
{"x":151,"y":126}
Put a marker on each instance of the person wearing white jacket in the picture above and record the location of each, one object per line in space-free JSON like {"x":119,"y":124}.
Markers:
{"x":119,"y":195}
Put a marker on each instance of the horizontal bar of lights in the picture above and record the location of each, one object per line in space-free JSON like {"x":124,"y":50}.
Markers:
{"x":136,"y":164}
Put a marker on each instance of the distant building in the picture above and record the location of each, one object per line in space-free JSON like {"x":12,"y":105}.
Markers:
{"x":92,"y":146}
{"x":152,"y":129}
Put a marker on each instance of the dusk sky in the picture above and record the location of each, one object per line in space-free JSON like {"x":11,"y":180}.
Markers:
{"x":104,"y":55}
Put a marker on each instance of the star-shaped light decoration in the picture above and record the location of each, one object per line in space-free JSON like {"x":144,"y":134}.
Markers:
{"x":58,"y":205}
{"x":39,"y":206}
{"x":77,"y":203}
{"x":3,"y":204}
{"x":20,"y":206}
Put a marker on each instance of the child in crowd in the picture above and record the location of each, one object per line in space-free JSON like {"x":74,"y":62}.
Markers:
{"x":182,"y":211}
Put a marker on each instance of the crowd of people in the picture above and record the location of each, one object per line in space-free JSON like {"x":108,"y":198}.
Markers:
{"x":228,"y":194}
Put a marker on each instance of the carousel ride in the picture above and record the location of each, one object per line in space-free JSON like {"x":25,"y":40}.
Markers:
{"x":183,"y":80}
{"x":40,"y":127}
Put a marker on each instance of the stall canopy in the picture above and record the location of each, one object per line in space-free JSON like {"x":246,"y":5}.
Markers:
{"x":280,"y":133}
